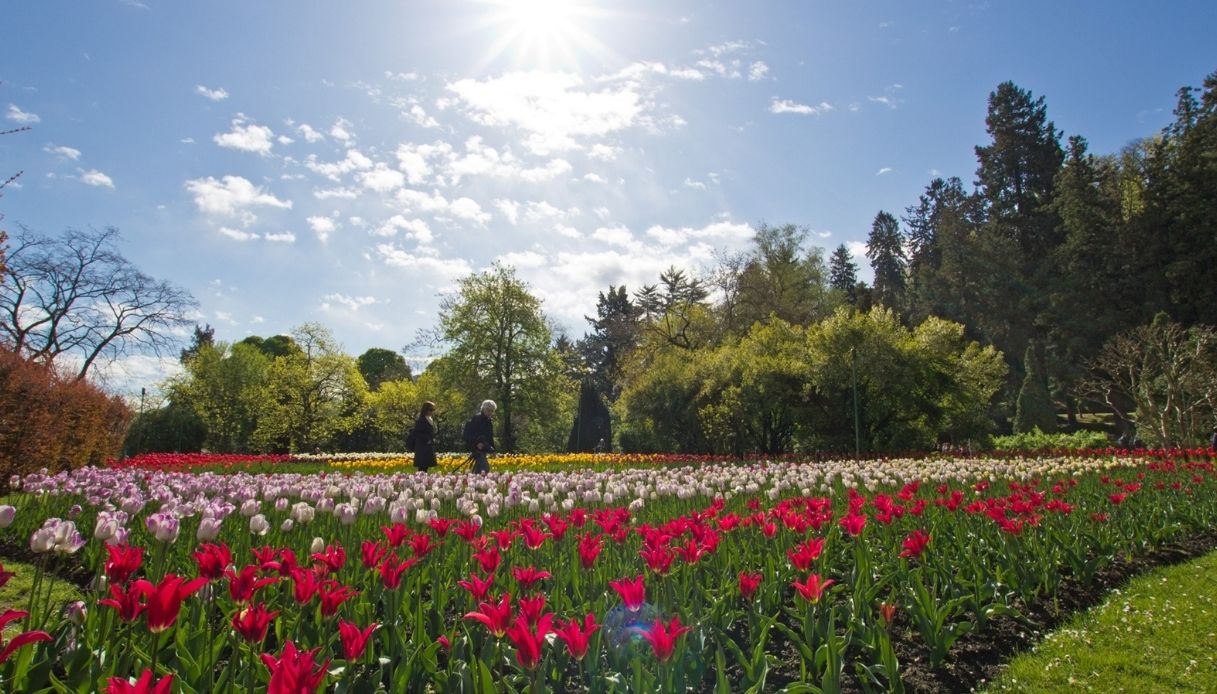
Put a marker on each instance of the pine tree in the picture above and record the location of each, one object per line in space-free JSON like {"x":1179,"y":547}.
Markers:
{"x":885,"y":249}
{"x":843,"y":274}
{"x":1035,"y":408}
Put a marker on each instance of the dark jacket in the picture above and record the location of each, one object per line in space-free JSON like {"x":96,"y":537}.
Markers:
{"x":424,"y":444}
{"x":481,"y":430}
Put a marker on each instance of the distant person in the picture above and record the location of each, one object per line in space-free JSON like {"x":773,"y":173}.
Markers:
{"x":479,"y":436}
{"x":1213,"y":439}
{"x":600,"y":447}
{"x":424,"y":437}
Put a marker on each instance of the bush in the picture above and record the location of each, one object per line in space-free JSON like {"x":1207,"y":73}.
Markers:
{"x":50,"y":421}
{"x":1036,"y":440}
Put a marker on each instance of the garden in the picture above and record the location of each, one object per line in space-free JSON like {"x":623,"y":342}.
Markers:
{"x":336,"y":573}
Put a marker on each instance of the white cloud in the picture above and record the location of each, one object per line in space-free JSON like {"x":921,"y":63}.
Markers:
{"x":246,"y":137}
{"x":757,"y":71}
{"x":690,"y":183}
{"x":717,"y":231}
{"x":856,"y":248}
{"x":341,"y":130}
{"x":787,"y":106}
{"x":617,"y":235}
{"x":218,"y":94}
{"x":322,"y":227}
{"x":187,"y":140}
{"x":308,"y":133}
{"x":523,"y":260}
{"x":93,"y":177}
{"x":382,"y":179}
{"x":884,"y":170}
{"x":16,"y":115}
{"x":567,"y":231}
{"x":602,"y":213}
{"x":604,"y":152}
{"x":63,"y":151}
{"x":424,"y":266}
{"x":415,"y":229}
{"x":420,"y":117}
{"x":232,"y":196}
{"x":594,"y":178}
{"x":281,"y":237}
{"x":354,"y":303}
{"x":729,"y":70}
{"x":284,"y":140}
{"x":461,"y":208}
{"x":339,"y":192}
{"x":237,"y":234}
{"x":354,"y":160}
{"x":553,"y":108}
{"x":727,"y":47}
{"x":469,"y":209}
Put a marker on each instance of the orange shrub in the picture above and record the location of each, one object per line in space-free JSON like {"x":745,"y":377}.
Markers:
{"x":50,"y":421}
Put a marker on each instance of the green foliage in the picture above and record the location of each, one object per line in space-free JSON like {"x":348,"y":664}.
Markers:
{"x":885,"y":249}
{"x":1035,"y":408}
{"x":1036,"y":440}
{"x":226,"y":387}
{"x":378,"y":365}
{"x":175,"y":428}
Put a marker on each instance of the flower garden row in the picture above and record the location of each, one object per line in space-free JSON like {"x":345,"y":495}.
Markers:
{"x":373,"y":462}
{"x":671,"y":578}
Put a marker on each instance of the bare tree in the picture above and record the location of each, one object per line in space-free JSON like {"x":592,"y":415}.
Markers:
{"x":75,"y":297}
{"x":1167,"y":373}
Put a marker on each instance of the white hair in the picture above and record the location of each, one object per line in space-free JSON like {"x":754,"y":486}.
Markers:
{"x":488,"y":405}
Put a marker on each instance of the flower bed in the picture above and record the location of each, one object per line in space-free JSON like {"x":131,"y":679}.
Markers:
{"x":668,"y":578}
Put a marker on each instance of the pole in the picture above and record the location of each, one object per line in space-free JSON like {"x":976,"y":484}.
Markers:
{"x":853,"y":373}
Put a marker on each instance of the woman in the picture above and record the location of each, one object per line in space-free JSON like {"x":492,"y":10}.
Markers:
{"x":424,"y":437}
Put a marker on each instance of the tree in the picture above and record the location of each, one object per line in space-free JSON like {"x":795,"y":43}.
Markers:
{"x":615,"y":332}
{"x":593,"y":423}
{"x":885,"y":249}
{"x":274,"y":346}
{"x":675,"y":308}
{"x":843,"y":274}
{"x":226,"y":386}
{"x":1035,"y":409}
{"x":76,"y":296}
{"x":313,"y":394}
{"x":204,"y":336}
{"x":500,"y":346}
{"x":1167,"y":373}
{"x":378,"y":365}
{"x":781,"y":278}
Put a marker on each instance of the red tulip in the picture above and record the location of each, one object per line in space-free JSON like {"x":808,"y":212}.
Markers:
{"x":748,"y":584}
{"x":165,"y":599}
{"x":212,"y":560}
{"x":396,"y":534}
{"x":422,"y":545}
{"x":145,"y":685}
{"x":496,"y":617}
{"x":663,"y":637}
{"x":265,"y":554}
{"x":127,"y":601}
{"x":632,"y":592}
{"x":658,"y":559}
{"x":440,"y":526}
{"x":372,"y":553}
{"x":528,"y":576}
{"x":531,"y":608}
{"x":1117,"y":498}
{"x":334,"y":557}
{"x":123,"y":562}
{"x":813,"y":589}
{"x":354,"y":640}
{"x":887,"y":612}
{"x":21,"y":639}
{"x":294,"y":672}
{"x":589,"y":548}
{"x":915,"y":544}
{"x":477,"y":587}
{"x":251,"y":623}
{"x":392,"y":569}
{"x":285,"y":565}
{"x":854,"y":523}
{"x":577,"y":636}
{"x":304,"y":585}
{"x":528,"y":643}
{"x":805,"y":553}
{"x":243,"y":585}
{"x":333,"y":595}
{"x":533,"y":536}
{"x":5,"y":575}
{"x":488,"y":559}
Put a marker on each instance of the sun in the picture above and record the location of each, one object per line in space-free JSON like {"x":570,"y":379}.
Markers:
{"x":542,"y":33}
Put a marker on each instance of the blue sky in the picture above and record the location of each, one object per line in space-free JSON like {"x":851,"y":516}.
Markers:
{"x":347,"y":162}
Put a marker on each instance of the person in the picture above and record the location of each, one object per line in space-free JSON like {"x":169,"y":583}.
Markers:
{"x":600,"y":447}
{"x":1213,"y":439}
{"x":479,"y":435}
{"x":424,"y":437}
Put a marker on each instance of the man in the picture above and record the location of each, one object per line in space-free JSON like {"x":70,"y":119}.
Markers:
{"x":479,"y":436}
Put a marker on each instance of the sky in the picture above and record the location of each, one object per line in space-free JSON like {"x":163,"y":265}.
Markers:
{"x":348,"y":163}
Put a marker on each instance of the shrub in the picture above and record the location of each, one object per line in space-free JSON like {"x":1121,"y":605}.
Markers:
{"x":50,"y":421}
{"x":1036,"y":440}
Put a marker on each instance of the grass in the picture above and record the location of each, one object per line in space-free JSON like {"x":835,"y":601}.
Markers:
{"x":1155,"y":635}
{"x":15,"y":594}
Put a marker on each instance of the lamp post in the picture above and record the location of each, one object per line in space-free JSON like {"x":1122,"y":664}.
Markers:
{"x":853,"y":375}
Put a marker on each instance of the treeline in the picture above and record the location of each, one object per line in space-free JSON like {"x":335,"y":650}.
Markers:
{"x":994,"y":307}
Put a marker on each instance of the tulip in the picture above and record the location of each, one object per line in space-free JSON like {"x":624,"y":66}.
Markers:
{"x":632,"y":592}
{"x":213,"y":560}
{"x":165,"y":599}
{"x":243,"y":585}
{"x":663,"y":637}
{"x":354,"y":639}
{"x":391,"y":570}
{"x":21,"y":639}
{"x":209,"y":530}
{"x":258,"y":525}
{"x":294,"y":672}
{"x":915,"y":544}
{"x":529,"y":576}
{"x":317,"y":546}
{"x":7,"y":514}
{"x":748,"y":584}
{"x":127,"y":601}
{"x":495,"y":616}
{"x":577,"y":636}
{"x":252,"y":623}
{"x":5,"y":575}
{"x":145,"y":685}
{"x":332,"y":597}
{"x":123,"y":562}
{"x":163,"y":526}
{"x":813,"y":588}
{"x":528,"y":643}
{"x":477,"y":587}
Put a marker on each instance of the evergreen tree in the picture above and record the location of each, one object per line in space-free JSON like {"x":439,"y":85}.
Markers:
{"x":615,"y":332}
{"x":885,"y":249}
{"x":843,"y":274}
{"x":1035,"y":409}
